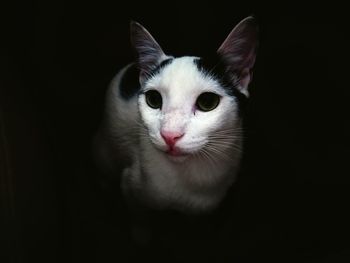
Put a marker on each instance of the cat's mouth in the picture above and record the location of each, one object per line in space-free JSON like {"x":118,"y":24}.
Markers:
{"x":176,"y":155}
{"x":175,"y":152}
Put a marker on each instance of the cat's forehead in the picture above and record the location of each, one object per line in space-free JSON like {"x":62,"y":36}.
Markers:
{"x":183,"y":75}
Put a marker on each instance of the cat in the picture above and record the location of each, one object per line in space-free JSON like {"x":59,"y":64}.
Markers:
{"x":173,"y":125}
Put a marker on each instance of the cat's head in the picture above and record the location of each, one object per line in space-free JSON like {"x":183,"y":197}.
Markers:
{"x":191,"y":105}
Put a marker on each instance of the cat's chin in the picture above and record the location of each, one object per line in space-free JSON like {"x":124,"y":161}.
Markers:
{"x":176,"y":155}
{"x":177,"y":158}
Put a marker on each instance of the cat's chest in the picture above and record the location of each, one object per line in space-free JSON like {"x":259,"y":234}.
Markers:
{"x":166,"y":182}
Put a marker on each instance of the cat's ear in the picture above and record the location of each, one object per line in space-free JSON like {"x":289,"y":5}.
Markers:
{"x":238,"y":52}
{"x":149,"y":53}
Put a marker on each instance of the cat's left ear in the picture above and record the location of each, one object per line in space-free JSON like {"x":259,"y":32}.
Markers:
{"x":238,"y":52}
{"x":148,"y":51}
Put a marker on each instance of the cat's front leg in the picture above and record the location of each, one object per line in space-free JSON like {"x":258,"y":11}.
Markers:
{"x":130,"y":178}
{"x":140,"y":230}
{"x":126,"y":174}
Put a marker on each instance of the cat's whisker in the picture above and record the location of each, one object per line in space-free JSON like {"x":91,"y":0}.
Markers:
{"x":217,"y":150}
{"x":208,"y":157}
{"x":227,"y":135}
{"x":228,"y":145}
{"x":225,"y":139}
{"x":201,"y":156}
{"x":230,"y":130}
{"x":223,"y":143}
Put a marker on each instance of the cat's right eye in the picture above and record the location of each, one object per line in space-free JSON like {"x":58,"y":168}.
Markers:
{"x":153,"y":99}
{"x":207,"y":101}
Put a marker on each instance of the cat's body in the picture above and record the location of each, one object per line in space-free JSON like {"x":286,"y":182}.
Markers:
{"x":175,"y":124}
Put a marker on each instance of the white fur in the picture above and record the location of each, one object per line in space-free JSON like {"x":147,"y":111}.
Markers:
{"x":188,"y":183}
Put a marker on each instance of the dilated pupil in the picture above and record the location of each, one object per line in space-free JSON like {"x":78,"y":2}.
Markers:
{"x":153,"y":99}
{"x":207,"y":101}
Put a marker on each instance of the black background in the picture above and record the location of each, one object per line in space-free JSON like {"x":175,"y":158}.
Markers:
{"x":291,"y":201}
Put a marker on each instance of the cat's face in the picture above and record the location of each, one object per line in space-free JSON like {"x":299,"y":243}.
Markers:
{"x":187,"y":111}
{"x":187,"y":105}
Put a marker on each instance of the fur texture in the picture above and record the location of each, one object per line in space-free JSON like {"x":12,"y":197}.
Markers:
{"x":195,"y":170}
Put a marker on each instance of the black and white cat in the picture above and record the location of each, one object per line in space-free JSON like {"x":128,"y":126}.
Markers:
{"x":174,"y":124}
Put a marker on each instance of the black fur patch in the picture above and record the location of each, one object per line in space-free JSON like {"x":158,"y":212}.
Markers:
{"x":215,"y":66}
{"x":129,"y":84}
{"x":162,"y":65}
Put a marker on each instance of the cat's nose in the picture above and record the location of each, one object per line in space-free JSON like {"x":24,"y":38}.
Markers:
{"x":171,"y":137}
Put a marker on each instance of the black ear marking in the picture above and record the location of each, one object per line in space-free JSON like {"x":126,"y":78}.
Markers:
{"x":214,"y":67}
{"x":160,"y":66}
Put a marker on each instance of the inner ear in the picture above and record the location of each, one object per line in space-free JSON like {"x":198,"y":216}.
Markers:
{"x":238,"y":52}
{"x":148,"y":52}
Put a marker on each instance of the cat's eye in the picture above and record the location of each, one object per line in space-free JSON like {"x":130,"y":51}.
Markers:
{"x":207,"y":101}
{"x":153,"y":99}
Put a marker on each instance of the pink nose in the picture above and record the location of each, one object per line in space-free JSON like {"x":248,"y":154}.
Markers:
{"x":170,"y":137}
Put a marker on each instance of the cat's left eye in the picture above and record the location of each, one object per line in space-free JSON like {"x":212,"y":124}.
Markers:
{"x":153,"y":99}
{"x":207,"y":101}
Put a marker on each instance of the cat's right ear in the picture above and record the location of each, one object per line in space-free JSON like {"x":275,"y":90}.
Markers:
{"x":239,"y":51}
{"x":148,"y":52}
